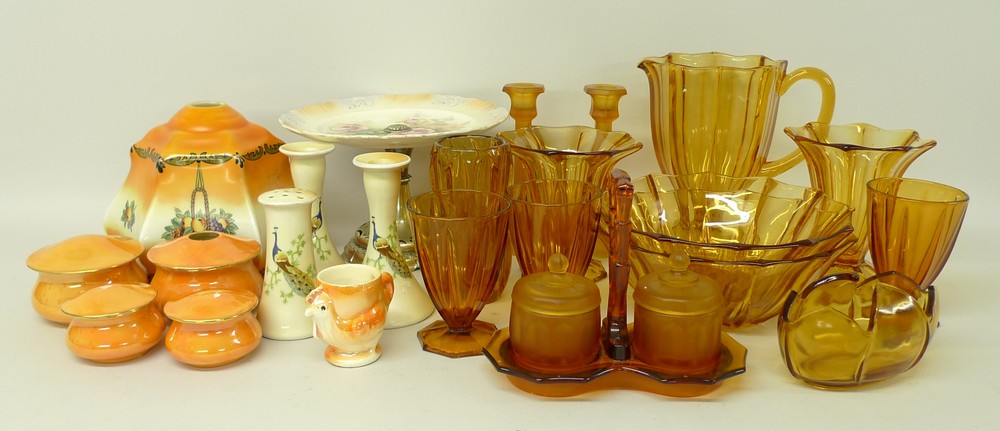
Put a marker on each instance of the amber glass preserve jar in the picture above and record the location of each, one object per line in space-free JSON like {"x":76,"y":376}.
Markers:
{"x":678,"y":319}
{"x":555,"y":319}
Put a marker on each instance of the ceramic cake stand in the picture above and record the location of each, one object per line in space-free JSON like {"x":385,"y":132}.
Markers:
{"x":397,"y":123}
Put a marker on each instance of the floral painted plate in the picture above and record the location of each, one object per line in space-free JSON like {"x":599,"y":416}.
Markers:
{"x":393,"y":121}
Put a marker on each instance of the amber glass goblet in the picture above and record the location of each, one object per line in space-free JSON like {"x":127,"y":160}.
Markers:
{"x":554,"y":216}
{"x":461,"y":236}
{"x":474,"y":162}
{"x":914,"y":225}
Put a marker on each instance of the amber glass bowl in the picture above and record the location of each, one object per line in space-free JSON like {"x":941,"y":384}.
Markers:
{"x":758,"y":237}
{"x":842,"y":331}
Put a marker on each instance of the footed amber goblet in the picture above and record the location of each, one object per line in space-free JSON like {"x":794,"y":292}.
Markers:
{"x":914,"y":225}
{"x":461,"y":236}
{"x":474,"y":162}
{"x":554,"y":216}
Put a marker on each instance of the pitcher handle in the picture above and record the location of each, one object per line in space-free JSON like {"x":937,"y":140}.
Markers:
{"x":829,"y":98}
{"x":388,"y":287}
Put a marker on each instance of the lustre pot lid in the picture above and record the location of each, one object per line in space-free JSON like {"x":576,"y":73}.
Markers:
{"x":203,"y":251}
{"x":85,"y":253}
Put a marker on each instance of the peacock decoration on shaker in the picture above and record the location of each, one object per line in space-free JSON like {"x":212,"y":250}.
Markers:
{"x":383,"y":246}
{"x":300,"y":281}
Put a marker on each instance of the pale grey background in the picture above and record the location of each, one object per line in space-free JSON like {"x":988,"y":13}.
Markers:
{"x":82,"y":81}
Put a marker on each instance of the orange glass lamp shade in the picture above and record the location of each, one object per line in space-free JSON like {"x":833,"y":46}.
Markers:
{"x":204,"y":261}
{"x":78,"y":264}
{"x":201,"y":171}
{"x":842,"y":331}
{"x":212,"y":328}
{"x":114,"y":323}
{"x":757,"y":237}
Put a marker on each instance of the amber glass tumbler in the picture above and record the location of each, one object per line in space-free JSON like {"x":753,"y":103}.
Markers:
{"x":475,"y":162}
{"x":554,"y":216}
{"x":461,"y":236}
{"x":914,"y":225}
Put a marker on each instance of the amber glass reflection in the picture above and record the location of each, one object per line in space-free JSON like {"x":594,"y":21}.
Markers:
{"x":714,"y":112}
{"x":461,"y":236}
{"x":843,"y":158}
{"x":474,"y":162}
{"x":554,"y":216}
{"x":914,"y":225}
{"x":842,"y":332}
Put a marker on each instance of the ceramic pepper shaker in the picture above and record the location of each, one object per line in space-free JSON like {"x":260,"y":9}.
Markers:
{"x":290,"y":271}
{"x":678,"y":319}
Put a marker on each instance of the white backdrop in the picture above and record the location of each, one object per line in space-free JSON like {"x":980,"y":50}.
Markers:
{"x":80,"y":82}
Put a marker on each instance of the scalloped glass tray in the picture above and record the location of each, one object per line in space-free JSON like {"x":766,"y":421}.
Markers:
{"x":605,"y":373}
{"x":393,"y":121}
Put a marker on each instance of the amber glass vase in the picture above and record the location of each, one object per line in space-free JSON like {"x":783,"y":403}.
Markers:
{"x":914,"y":225}
{"x":474,"y":162}
{"x":461,"y":236}
{"x":554,"y":216}
{"x":843,"y":158}
{"x":714,"y":112}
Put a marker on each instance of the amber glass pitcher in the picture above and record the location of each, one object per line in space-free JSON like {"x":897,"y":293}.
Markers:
{"x":715,"y":112}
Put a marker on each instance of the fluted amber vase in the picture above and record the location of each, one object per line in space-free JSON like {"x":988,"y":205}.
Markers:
{"x":843,"y":158}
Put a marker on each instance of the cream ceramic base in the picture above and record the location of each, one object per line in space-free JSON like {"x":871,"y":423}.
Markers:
{"x":352,"y":360}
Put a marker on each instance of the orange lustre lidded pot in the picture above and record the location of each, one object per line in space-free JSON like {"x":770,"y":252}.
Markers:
{"x":114,"y":323}
{"x":212,"y":328}
{"x":71,"y":267}
{"x":203,"y":261}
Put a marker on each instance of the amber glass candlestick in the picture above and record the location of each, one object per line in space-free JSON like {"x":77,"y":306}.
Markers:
{"x":604,"y":104}
{"x":523,"y":98}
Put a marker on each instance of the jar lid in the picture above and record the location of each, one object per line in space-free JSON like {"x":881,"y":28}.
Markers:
{"x":111,"y":300}
{"x":678,"y":289}
{"x":85,"y":253}
{"x":210,"y":306}
{"x":556,"y":291}
{"x":202,"y":251}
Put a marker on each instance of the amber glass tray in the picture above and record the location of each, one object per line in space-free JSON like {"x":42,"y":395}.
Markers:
{"x":605,"y":373}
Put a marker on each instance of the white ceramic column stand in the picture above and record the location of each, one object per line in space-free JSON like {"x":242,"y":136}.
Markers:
{"x":308,"y":163}
{"x":289,"y":271}
{"x":410,"y":303}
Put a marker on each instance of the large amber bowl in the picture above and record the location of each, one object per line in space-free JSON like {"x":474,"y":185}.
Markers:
{"x":842,"y":331}
{"x":758,"y":237}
